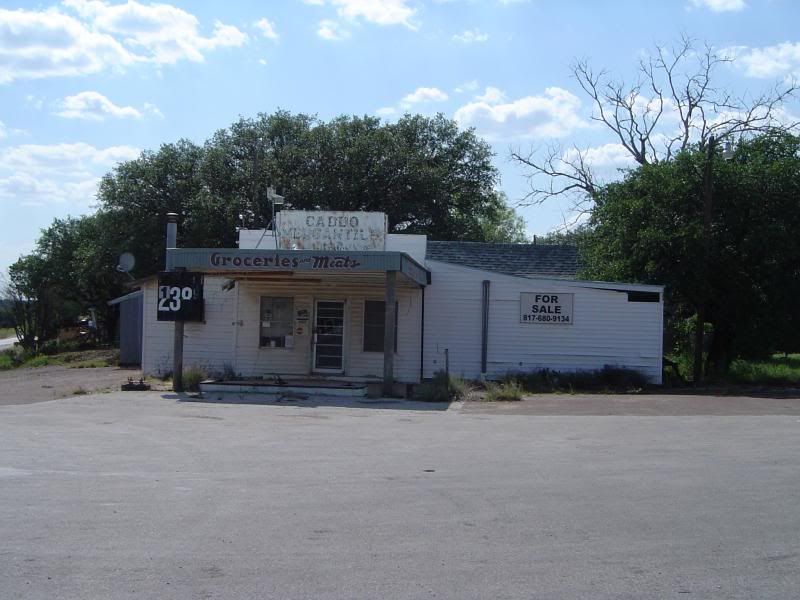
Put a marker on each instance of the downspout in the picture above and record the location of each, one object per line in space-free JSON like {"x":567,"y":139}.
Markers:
{"x":484,"y":327}
{"x":422,"y":339}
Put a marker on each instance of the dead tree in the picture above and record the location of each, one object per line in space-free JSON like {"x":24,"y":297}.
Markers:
{"x":672,"y":104}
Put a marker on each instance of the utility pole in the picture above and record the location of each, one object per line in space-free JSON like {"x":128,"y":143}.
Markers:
{"x":177,"y":341}
{"x":702,"y":308}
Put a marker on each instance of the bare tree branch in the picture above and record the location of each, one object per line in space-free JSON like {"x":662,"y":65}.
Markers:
{"x":672,"y":105}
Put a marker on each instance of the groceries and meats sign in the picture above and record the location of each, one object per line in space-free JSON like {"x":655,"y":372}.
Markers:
{"x":277,"y":261}
{"x":546,"y":308}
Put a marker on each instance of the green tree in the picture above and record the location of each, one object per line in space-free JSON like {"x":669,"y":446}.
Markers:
{"x":648,"y":228}
{"x":425,"y":173}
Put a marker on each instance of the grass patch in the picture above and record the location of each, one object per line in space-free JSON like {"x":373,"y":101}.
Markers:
{"x":83,"y":359}
{"x":7,"y":332}
{"x":91,"y":364}
{"x":777,"y":370}
{"x":507,"y":391}
{"x":7,"y":361}
{"x":443,"y":389}
{"x":40,"y":360}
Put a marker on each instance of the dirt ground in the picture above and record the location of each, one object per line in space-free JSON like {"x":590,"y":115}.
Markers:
{"x":776,"y":402}
{"x":27,"y":386}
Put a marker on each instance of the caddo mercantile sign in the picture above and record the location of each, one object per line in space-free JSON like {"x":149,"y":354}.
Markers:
{"x":331,"y":230}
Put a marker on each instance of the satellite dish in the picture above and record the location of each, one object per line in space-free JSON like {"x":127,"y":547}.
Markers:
{"x":126,"y":262}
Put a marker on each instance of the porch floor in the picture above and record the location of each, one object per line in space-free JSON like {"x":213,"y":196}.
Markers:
{"x":304,"y":386}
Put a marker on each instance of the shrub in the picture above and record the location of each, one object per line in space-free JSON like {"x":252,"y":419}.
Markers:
{"x":442,"y":389}
{"x":7,"y":360}
{"x":607,"y":379}
{"x":228,"y":372}
{"x":508,"y":391}
{"x":38,"y":361}
{"x":192,"y":378}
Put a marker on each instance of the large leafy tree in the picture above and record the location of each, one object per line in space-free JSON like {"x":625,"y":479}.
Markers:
{"x":648,"y":228}
{"x":428,"y":175}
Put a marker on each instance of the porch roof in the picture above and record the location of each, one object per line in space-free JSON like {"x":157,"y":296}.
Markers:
{"x":234,"y":260}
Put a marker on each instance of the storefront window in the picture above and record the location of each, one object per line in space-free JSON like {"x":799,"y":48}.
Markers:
{"x":276,"y":322}
{"x":374,"y":318}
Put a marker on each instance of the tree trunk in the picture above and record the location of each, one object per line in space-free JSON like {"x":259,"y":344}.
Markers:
{"x":720,"y":353}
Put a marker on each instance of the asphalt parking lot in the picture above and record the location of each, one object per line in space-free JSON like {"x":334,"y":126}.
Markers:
{"x":150,"y":496}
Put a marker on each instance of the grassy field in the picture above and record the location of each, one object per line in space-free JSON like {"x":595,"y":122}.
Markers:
{"x":83,"y":359}
{"x":6,"y":332}
{"x":778,"y":370}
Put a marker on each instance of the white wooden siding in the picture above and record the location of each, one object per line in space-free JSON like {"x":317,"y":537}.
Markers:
{"x":220,"y":342}
{"x":607,"y":329}
{"x":206,"y":345}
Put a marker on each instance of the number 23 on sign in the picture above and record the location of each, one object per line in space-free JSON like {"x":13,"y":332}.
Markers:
{"x":170,"y":298}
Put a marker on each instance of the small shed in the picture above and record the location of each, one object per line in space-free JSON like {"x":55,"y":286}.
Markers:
{"x":130,"y":327}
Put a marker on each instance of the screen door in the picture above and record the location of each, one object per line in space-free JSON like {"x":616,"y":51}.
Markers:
{"x":329,"y":336}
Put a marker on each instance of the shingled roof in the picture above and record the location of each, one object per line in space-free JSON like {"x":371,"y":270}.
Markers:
{"x":522,"y":260}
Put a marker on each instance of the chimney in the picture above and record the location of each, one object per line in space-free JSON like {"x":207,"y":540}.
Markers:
{"x":172,"y":236}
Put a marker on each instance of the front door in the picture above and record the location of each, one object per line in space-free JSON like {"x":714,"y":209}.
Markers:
{"x":329,"y":336}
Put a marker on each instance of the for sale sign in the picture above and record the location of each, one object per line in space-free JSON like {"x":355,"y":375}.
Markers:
{"x":180,"y":296}
{"x":546,"y":308}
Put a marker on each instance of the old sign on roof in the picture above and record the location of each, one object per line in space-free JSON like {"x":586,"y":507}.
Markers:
{"x":331,"y":230}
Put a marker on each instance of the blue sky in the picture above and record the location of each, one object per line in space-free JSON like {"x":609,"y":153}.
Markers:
{"x":86,"y":83}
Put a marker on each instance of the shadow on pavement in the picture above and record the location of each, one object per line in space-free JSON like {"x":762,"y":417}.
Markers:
{"x":309,"y":402}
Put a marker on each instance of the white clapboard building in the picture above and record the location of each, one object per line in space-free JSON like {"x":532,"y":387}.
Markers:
{"x":313,"y":299}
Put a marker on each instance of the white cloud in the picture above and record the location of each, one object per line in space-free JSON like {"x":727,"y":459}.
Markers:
{"x":378,"y":12}
{"x":48,"y":43}
{"x":720,"y":5}
{"x":100,"y":36}
{"x":468,"y":86}
{"x":34,"y":101}
{"x":3,"y":130}
{"x":491,"y":95}
{"x":93,"y":106}
{"x":163,"y":33}
{"x":153,"y":110}
{"x":332,"y":31}
{"x":267,"y":29}
{"x":33,"y":174}
{"x":767,"y":62}
{"x":471,"y":36}
{"x":420,"y":96}
{"x":555,"y":113}
{"x":603,"y":157}
{"x":423,"y":95}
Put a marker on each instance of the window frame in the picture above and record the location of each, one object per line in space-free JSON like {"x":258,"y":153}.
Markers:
{"x":290,"y":323}
{"x":364,"y":325}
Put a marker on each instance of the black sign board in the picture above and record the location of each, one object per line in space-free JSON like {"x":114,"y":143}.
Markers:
{"x":180,"y":296}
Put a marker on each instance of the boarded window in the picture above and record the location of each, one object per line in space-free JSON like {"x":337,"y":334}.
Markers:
{"x":374,"y":319}
{"x":644,"y":297}
{"x":276,"y":321}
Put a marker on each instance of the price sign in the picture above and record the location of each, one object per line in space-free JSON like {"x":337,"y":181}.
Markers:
{"x":180,"y":296}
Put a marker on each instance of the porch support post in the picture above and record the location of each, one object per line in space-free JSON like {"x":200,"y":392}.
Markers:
{"x":177,"y":340}
{"x":388,"y":333}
